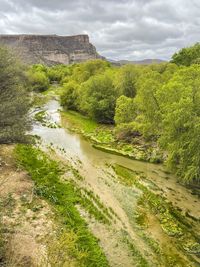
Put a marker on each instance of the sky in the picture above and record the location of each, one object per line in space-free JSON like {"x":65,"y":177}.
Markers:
{"x":120,"y":29}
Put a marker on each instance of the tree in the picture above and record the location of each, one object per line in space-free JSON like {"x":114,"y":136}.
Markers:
{"x":187,"y":56}
{"x":99,"y":97}
{"x":69,"y":97}
{"x":82,"y":72}
{"x":125,"y":115}
{"x":14,"y":103}
{"x":126,"y":78}
{"x":38,"y":80}
{"x":58,"y":72}
{"x":148,"y":104}
{"x":180,"y":110}
{"x":125,"y":110}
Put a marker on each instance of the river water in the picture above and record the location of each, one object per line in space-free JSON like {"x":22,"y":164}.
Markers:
{"x":79,"y":149}
{"x":93,"y":165}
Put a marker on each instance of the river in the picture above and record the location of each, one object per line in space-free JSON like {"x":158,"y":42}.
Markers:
{"x":93,"y":165}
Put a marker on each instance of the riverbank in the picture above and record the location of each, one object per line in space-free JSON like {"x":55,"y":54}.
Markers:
{"x":138,"y":213}
{"x":103,"y":138}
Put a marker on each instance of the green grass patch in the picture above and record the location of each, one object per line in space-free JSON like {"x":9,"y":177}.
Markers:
{"x":54,"y":90}
{"x":44,"y":119}
{"x":79,"y":122}
{"x":38,"y":100}
{"x":96,"y":132}
{"x":64,"y":197}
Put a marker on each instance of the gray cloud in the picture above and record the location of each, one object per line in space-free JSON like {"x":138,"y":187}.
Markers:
{"x":120,"y":29}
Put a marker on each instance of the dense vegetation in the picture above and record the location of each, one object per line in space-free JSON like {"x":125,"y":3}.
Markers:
{"x":187,"y":56}
{"x":158,"y":102}
{"x":14,"y":103}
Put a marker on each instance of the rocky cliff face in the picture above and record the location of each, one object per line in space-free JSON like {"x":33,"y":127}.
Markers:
{"x":50,"y":49}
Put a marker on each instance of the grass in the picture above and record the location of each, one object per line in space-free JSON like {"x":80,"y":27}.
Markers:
{"x":126,"y":176}
{"x":63,"y":196}
{"x":79,"y":122}
{"x":54,"y":90}
{"x":93,"y":207}
{"x":164,"y":211}
{"x":96,"y":132}
{"x":38,"y":100}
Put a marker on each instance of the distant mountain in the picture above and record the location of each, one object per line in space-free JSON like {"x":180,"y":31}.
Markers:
{"x":137,"y":62}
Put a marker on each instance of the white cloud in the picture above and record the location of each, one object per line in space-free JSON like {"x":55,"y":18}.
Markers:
{"x":120,"y":29}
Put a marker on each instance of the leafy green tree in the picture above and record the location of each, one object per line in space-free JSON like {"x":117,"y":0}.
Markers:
{"x":99,"y":97}
{"x":187,"y":56}
{"x":125,"y":110}
{"x":69,"y":97}
{"x":14,"y":102}
{"x":180,"y":105}
{"x":38,"y":80}
{"x":58,"y":72}
{"x":126,"y":78}
{"x":82,"y":72}
{"x":148,"y":104}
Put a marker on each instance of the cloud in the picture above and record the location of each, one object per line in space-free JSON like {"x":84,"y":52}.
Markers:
{"x":120,"y":29}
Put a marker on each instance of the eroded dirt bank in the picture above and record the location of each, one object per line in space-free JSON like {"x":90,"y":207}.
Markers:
{"x":25,"y":219}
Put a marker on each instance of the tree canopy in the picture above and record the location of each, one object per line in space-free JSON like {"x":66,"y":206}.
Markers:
{"x":14,"y":103}
{"x":187,"y":56}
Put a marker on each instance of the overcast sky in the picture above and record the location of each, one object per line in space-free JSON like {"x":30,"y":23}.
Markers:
{"x":120,"y":29}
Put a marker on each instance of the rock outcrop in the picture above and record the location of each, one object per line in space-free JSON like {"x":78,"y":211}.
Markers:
{"x":50,"y":49}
